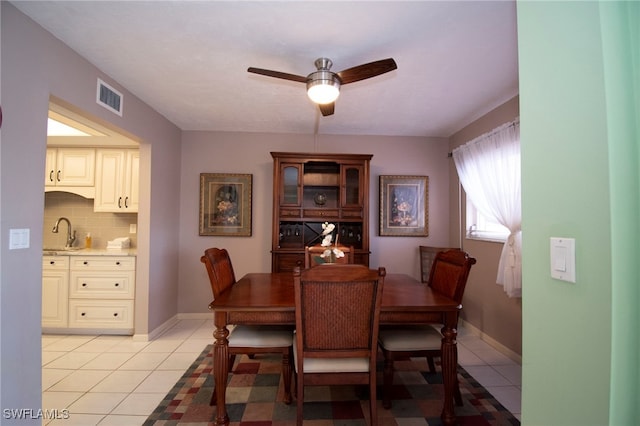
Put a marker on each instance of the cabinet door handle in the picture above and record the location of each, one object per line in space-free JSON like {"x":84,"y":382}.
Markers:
{"x":115,"y":314}
{"x":84,"y":284}
{"x":119,"y":202}
{"x":85,"y":262}
{"x":53,"y":262}
{"x":82,"y":314}
{"x":118,"y":263}
{"x":126,"y":202}
{"x":51,"y":176}
{"x":58,"y":175}
{"x":117,"y":284}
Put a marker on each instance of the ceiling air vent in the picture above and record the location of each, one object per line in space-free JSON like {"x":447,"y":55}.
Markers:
{"x":109,"y":98}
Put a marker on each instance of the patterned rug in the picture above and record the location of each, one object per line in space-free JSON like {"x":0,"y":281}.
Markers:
{"x":255,"y":393}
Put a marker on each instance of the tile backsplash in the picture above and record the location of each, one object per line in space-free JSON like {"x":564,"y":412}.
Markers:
{"x":79,"y":210}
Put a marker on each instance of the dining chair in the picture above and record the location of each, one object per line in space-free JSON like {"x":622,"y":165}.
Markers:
{"x":248,"y":339}
{"x":448,"y":276}
{"x":312,"y":255}
{"x":427,"y":256}
{"x":337,"y":318}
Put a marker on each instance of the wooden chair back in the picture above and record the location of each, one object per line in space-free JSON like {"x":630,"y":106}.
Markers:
{"x":427,"y":256}
{"x":337,"y":317}
{"x":449,"y":273}
{"x":312,"y":255}
{"x":338,"y":311}
{"x":250,"y":340}
{"x":219,"y":268}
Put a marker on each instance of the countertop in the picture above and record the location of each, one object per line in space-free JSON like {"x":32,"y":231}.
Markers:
{"x":89,"y":252}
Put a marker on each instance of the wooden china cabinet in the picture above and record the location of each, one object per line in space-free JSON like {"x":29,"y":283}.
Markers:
{"x":310,"y":189}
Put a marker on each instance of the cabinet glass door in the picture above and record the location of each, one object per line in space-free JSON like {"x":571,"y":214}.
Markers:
{"x":290,"y":175}
{"x":352,"y":193}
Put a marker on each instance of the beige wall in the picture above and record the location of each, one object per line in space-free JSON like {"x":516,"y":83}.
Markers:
{"x":485,"y":305}
{"x":218,"y":152}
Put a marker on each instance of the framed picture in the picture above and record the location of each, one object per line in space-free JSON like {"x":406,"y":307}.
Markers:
{"x":225,"y":204}
{"x":404,"y":206}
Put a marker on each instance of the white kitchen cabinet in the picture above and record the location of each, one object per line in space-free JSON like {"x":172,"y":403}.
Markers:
{"x":70,"y":167}
{"x":117,"y":180}
{"x":55,"y":291}
{"x":88,"y":293}
{"x":101,"y":292}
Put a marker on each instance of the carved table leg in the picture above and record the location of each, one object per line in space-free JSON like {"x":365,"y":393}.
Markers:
{"x":387,"y":381}
{"x":449,"y":366}
{"x":287,"y":359}
{"x":221,"y":366}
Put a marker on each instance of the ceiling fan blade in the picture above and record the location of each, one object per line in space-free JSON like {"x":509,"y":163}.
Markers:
{"x":278,"y":74}
{"x":327,"y":109}
{"x":365,"y":71}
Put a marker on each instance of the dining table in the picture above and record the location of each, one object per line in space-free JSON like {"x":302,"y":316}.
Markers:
{"x":266,"y":298}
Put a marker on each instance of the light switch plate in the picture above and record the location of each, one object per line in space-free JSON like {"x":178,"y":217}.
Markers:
{"x":563,"y":259}
{"x":18,"y":239}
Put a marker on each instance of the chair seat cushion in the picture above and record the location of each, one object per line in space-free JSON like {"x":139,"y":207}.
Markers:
{"x":332,"y":365}
{"x":422,"y":338}
{"x":252,"y":336}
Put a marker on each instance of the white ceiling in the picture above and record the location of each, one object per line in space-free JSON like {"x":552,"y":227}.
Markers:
{"x":188,"y":60}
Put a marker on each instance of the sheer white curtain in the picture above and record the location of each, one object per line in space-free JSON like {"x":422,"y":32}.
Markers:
{"x":489,"y":170}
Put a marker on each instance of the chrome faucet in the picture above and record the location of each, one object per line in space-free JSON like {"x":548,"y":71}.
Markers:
{"x":70,"y":239}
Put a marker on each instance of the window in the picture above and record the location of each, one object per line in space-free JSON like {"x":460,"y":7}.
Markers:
{"x":489,"y":172}
{"x":481,"y":228}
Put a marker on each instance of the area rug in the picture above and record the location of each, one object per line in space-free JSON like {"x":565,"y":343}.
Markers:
{"x":255,"y":394}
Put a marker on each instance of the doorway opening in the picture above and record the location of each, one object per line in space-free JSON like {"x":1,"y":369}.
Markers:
{"x":91,"y":180}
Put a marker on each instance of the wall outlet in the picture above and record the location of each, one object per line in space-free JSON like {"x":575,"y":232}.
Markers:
{"x":133,"y":228}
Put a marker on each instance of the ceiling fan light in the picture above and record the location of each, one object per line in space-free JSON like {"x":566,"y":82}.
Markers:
{"x":323,"y":87}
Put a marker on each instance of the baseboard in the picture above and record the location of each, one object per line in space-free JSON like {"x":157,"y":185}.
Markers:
{"x":491,"y":341}
{"x":201,"y":315}
{"x":139,"y":337}
{"x":89,"y":331}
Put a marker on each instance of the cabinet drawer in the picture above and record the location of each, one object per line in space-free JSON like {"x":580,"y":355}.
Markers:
{"x":103,"y":263}
{"x":54,"y":263}
{"x":103,"y":285}
{"x":324,"y":213}
{"x":352,"y":214}
{"x":101,"y":313}
{"x":289,"y":213}
{"x":286,"y":262}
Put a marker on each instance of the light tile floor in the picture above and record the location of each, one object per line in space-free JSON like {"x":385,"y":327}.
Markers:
{"x":112,"y":380}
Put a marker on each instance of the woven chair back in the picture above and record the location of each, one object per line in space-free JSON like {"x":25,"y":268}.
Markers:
{"x":338,"y":309}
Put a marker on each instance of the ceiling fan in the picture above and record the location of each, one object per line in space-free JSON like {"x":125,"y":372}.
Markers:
{"x":323,"y":85}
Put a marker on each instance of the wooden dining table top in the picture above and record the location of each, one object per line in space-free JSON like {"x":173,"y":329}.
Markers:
{"x":264,"y":291}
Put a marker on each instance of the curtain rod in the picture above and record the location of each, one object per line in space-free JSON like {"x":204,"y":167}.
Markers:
{"x":490,"y":133}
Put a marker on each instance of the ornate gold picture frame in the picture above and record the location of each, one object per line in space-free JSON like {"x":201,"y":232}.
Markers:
{"x":225,"y":204}
{"x":404,"y":206}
